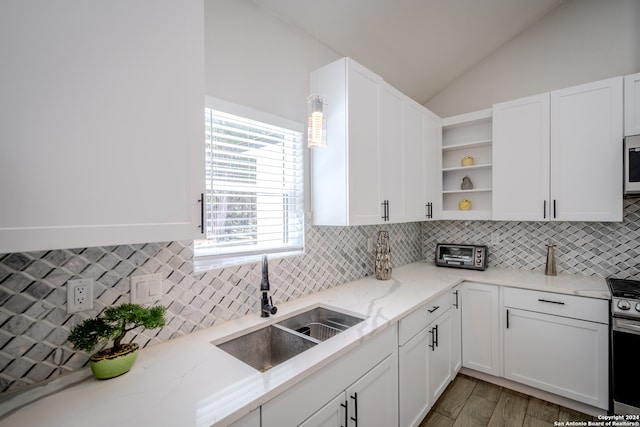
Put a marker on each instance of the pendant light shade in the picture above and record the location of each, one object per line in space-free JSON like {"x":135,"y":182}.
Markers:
{"x":317,"y":127}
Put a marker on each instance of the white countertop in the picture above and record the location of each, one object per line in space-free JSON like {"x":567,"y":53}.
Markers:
{"x":187,"y":381}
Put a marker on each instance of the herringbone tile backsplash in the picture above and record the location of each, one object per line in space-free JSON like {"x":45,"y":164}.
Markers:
{"x":35,"y":324}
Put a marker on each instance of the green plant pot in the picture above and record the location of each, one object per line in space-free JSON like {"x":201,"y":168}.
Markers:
{"x":107,"y":364}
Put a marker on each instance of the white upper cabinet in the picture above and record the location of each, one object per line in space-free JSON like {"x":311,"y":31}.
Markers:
{"x":521,"y":159}
{"x":392,"y":150}
{"x":422,"y":134}
{"x":102,"y":135}
{"x":632,"y":105}
{"x":558,"y":156}
{"x":378,"y":142}
{"x":346,"y":174}
{"x":586,"y":152}
{"x":432,"y":165}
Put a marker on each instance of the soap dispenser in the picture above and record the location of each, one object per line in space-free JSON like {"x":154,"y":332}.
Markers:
{"x":550,"y":269}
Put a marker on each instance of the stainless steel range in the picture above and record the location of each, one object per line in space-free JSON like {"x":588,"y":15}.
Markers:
{"x":625,"y":342}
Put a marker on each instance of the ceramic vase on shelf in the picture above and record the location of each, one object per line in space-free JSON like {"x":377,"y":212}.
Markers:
{"x":383,"y":256}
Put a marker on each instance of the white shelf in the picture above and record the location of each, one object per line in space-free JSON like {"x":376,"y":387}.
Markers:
{"x":467,"y":215}
{"x":475,"y":190}
{"x":468,"y":119}
{"x":467,"y":135}
{"x":459,"y":168}
{"x":467,"y":145}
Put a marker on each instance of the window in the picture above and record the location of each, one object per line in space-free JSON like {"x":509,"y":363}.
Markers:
{"x":254,"y":187}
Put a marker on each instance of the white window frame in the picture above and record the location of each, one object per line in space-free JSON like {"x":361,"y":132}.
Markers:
{"x":204,"y":260}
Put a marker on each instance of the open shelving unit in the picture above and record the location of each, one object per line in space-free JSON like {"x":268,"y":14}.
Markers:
{"x":467,"y":135}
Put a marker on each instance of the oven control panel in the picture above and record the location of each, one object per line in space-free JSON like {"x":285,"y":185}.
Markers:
{"x":626,"y":308}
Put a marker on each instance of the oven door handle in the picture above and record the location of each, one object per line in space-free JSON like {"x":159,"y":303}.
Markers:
{"x":622,"y":325}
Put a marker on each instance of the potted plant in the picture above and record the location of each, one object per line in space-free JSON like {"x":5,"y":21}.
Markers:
{"x":113,"y":324}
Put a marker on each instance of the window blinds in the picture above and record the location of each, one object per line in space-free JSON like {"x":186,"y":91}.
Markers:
{"x":254,"y":187}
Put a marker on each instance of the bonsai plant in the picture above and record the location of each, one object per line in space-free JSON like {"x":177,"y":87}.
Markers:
{"x":113,"y":324}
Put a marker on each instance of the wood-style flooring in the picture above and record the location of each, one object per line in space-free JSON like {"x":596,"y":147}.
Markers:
{"x":469,"y":402}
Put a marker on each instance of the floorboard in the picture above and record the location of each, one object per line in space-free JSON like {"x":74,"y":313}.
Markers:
{"x":469,"y":402}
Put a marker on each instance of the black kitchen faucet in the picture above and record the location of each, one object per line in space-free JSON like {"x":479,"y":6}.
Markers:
{"x":267,"y":302}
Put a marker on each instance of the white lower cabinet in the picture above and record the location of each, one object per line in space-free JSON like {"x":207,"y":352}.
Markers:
{"x":456,"y":329}
{"x":441,"y":355}
{"x":428,"y":358}
{"x":361,"y":387}
{"x":562,"y":355}
{"x":372,"y":400}
{"x":414,"y":379}
{"x":481,"y":327}
{"x":333,"y":414}
{"x":369,"y":401}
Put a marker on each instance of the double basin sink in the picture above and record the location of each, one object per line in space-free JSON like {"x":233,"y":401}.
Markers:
{"x":274,"y":344}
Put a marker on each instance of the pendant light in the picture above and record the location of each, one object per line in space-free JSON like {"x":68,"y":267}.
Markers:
{"x":317,"y":127}
{"x":316,"y":113}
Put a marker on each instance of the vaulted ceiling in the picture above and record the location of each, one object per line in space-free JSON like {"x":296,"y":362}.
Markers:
{"x":418,"y":46}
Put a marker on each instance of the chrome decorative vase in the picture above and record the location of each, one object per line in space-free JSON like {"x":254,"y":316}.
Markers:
{"x":550,"y":268}
{"x":383,"y":256}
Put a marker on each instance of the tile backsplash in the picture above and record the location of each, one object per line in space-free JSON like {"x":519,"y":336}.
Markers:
{"x":587,"y":248}
{"x":35,"y":324}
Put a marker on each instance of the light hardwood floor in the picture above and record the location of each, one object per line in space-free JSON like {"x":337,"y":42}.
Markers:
{"x":469,"y":402}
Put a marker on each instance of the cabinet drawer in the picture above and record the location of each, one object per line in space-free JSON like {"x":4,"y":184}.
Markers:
{"x":416,"y":321}
{"x":591,"y":309}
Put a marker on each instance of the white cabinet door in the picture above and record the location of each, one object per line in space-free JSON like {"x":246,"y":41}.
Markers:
{"x":481,"y":327}
{"x":250,"y":420}
{"x":586,"y":152}
{"x":333,"y":414}
{"x":363,"y":89}
{"x":456,"y":330}
{"x":393,"y":173}
{"x":413,"y":170}
{"x":632,"y":105}
{"x":406,"y":151}
{"x":432,"y":166}
{"x":561,"y":355}
{"x":345,"y":176}
{"x":102,"y":132}
{"x":441,"y":355}
{"x":373,"y":399}
{"x":521,"y":159}
{"x":413,"y":371}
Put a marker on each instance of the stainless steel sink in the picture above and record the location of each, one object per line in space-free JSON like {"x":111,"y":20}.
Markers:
{"x":321,"y":323}
{"x":267,"y":347}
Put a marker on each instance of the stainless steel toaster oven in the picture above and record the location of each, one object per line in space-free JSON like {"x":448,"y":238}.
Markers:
{"x":473,"y":257}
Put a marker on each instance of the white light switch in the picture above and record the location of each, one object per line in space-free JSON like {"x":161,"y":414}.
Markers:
{"x":146,"y":288}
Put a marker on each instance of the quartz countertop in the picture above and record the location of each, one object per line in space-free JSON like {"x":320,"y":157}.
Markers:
{"x":188,"y":381}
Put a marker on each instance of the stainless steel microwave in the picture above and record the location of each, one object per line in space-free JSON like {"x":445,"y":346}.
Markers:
{"x":632,"y":165}
{"x":461,"y":256}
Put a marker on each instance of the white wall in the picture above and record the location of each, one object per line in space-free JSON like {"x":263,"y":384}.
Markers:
{"x":254,"y":59}
{"x":579,"y":42}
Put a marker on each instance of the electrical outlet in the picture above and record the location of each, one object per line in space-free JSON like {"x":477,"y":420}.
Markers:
{"x":79,"y":295}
